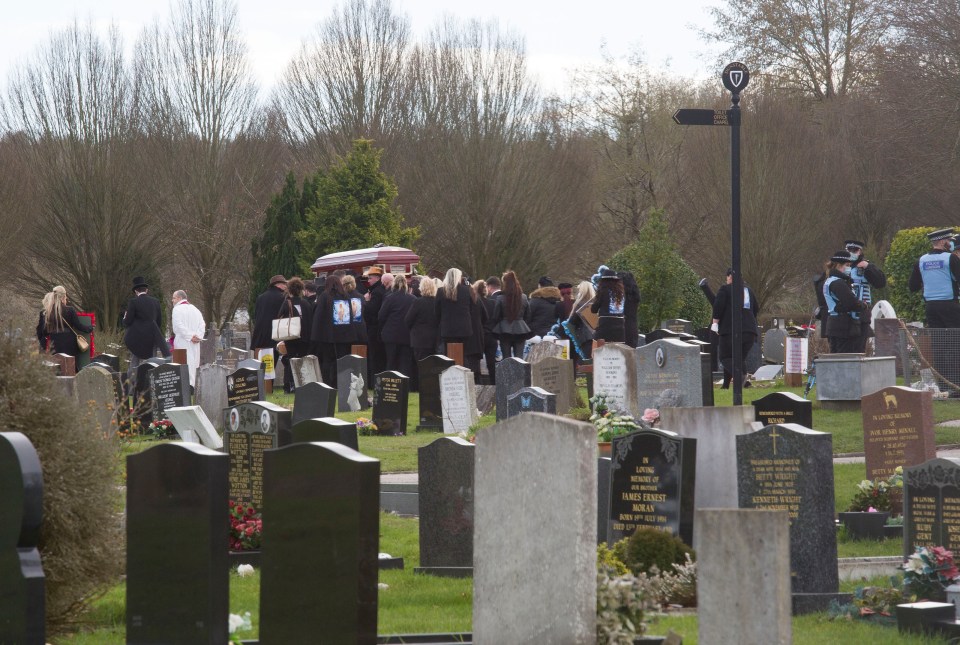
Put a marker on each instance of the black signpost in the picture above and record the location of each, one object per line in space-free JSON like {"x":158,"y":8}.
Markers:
{"x":735,"y":78}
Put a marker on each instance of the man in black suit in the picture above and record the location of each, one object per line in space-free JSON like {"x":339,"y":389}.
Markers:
{"x":265,"y":310}
{"x":143,"y":324}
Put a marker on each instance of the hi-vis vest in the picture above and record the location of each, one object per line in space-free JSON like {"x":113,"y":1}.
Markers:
{"x":937,"y":281}
{"x":831,"y":300}
{"x":860,"y":286}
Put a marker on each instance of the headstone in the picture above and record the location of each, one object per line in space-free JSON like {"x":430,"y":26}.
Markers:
{"x":458,"y":399}
{"x":251,"y":429}
{"x":844,"y":379}
{"x":486,"y":398}
{"x":231,"y":357}
{"x":768,"y":373}
{"x":897,"y":430}
{"x":352,"y":384}
{"x":556,"y":375}
{"x":110,"y":360}
{"x":754,"y":359}
{"x":669,"y":373}
{"x":512,"y":375}
{"x":176,"y":501}
{"x":660,"y":334}
{"x":715,"y":429}
{"x":319,"y":555}
{"x":143,"y":404}
{"x":328,"y":429}
{"x":615,"y":374}
{"x":193,"y":425}
{"x":241,"y":340}
{"x":757,"y":609}
{"x":210,"y":391}
{"x":169,"y":388}
{"x":305,"y":370}
{"x":97,"y":395}
{"x":68,"y":385}
{"x":531,"y":399}
{"x":312,"y":400}
{"x":545,"y":594}
{"x":677,"y":325}
{"x":773,"y":345}
{"x":891,"y":342}
{"x":931,"y":505}
{"x":391,"y":391}
{"x":22,"y":614}
{"x":542,"y":350}
{"x":783,"y":407}
{"x":245,"y":385}
{"x":787,"y":467}
{"x":445,"y":478}
{"x":209,"y":345}
{"x":431,"y":405}
{"x":652,"y":479}
{"x":66,"y":363}
{"x":253,"y":364}
{"x":603,"y":497}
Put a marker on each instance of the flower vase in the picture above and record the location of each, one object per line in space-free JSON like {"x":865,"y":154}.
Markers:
{"x":865,"y":526}
{"x":604,"y":448}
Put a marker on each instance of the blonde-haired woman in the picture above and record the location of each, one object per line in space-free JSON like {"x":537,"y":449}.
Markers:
{"x":454,"y":307}
{"x":59,"y":324}
{"x":421,"y":321}
{"x":575,"y":328}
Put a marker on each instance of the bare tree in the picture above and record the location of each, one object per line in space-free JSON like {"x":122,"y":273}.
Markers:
{"x":347,"y":82}
{"x":824,"y":48}
{"x":213,"y":153}
{"x":71,"y":111}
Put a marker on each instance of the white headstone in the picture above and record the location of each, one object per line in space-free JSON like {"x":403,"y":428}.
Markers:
{"x":614,"y":374}
{"x":458,"y":399}
{"x":193,"y":426}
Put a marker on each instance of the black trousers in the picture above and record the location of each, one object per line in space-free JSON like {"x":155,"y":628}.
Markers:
{"x":399,"y":358}
{"x":490,"y":343}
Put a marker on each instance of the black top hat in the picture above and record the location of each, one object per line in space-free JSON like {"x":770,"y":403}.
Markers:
{"x":842,"y":256}
{"x":855,"y":243}
{"x":545,"y":281}
{"x":942,"y":234}
{"x":140,"y":283}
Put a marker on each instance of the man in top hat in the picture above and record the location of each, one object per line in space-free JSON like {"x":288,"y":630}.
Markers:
{"x":863,"y":276}
{"x":143,"y":324}
{"x":265,"y":309}
{"x":937,"y":274}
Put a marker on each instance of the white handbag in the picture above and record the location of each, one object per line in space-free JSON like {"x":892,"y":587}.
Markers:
{"x":286,"y":328}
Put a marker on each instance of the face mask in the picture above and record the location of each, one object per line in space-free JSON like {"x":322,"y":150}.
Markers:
{"x":847,"y":270}
{"x":952,"y":246}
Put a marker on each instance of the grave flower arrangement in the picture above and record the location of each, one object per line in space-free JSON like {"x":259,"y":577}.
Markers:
{"x":246,"y":527}
{"x":874,"y":496}
{"x":928,"y":572}
{"x":162,"y":429}
{"x":366,"y":427}
{"x":610,"y":423}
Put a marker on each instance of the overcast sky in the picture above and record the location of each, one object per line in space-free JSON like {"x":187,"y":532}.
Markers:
{"x":559,"y":35}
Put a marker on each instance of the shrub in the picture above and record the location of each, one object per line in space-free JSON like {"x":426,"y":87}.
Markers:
{"x":607,"y":558}
{"x":678,"y":586}
{"x":905,"y":249}
{"x":81,"y":542}
{"x":649,"y":547}
{"x":621,"y":603}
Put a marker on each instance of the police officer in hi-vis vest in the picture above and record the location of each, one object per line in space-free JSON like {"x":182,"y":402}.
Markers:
{"x":937,"y":273}
{"x":863,"y":276}
{"x":845,"y":312}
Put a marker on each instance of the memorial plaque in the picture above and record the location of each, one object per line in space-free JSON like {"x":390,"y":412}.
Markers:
{"x":352,"y":384}
{"x":305,"y":370}
{"x":445,"y":476}
{"x":458,"y":398}
{"x":787,"y":467}
{"x":652,"y":480}
{"x":531,"y":399}
{"x":431,"y":404}
{"x":783,"y":407}
{"x":931,"y":505}
{"x":668,"y":374}
{"x":390,"y":393}
{"x":325,"y":429}
{"x":897,"y":430}
{"x":252,"y":428}
{"x":245,"y":385}
{"x":313,"y":400}
{"x":614,"y":374}
{"x":556,"y":375}
{"x":512,"y":375}
{"x":169,"y":388}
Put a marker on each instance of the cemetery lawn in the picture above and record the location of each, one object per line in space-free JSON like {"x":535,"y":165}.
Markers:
{"x":413,"y":604}
{"x":846,"y":426}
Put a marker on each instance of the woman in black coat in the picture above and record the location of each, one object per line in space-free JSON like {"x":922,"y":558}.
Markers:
{"x":295,"y":306}
{"x":393,"y":327}
{"x":723,"y":312}
{"x":59,"y":325}
{"x":333,"y":328}
{"x":609,"y":304}
{"x":511,"y":317}
{"x":845,"y":312}
{"x":473,"y":348}
{"x":454,"y":305}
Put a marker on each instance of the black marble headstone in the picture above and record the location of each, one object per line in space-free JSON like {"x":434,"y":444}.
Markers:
{"x":352,"y":383}
{"x":531,"y":399}
{"x":178,"y":529}
{"x":143,"y":406}
{"x":789,"y":467}
{"x":931,"y":505}
{"x":783,"y":407}
{"x":325,"y":429}
{"x":391,"y":391}
{"x":245,"y":385}
{"x":22,"y":605}
{"x":512,"y":375}
{"x":603,"y":497}
{"x":445,"y":477}
{"x":652,"y":480}
{"x":319,"y":554}
{"x":169,"y":388}
{"x":110,"y":360}
{"x":660,"y":334}
{"x":704,"y":335}
{"x":431,"y":411}
{"x":249,"y":430}
{"x":312,"y":400}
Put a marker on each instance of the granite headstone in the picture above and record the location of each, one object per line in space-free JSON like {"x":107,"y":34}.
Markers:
{"x":250,"y":429}
{"x":391,"y":391}
{"x":513,"y":374}
{"x":352,"y":384}
{"x":210,"y":392}
{"x":783,"y":407}
{"x":531,"y":399}
{"x":660,"y":334}
{"x":431,"y":403}
{"x":542,"y":350}
{"x":193,"y":425}
{"x":669,"y":373}
{"x":231,"y":357}
{"x":305,"y":370}
{"x":169,"y":388}
{"x":931,"y":505}
{"x":615,"y":375}
{"x":897,"y":430}
{"x":328,"y":429}
{"x":445,"y":477}
{"x":458,"y":399}
{"x":312,"y":400}
{"x":97,"y":394}
{"x":556,"y":375}
{"x":67,"y":364}
{"x":245,"y":385}
{"x":110,"y":360}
